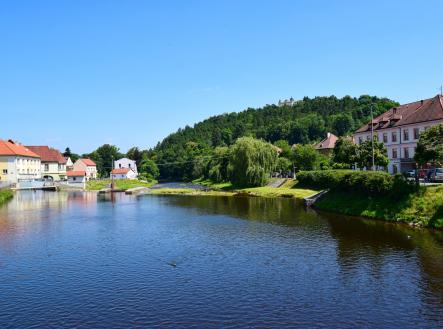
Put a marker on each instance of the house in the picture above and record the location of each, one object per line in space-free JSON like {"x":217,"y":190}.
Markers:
{"x":17,"y":162}
{"x":286,"y":102}
{"x":399,"y":129}
{"x":77,"y":178}
{"x":123,"y":173}
{"x":69,"y":164}
{"x":88,"y":166}
{"x":53,"y":164}
{"x":126,"y":163}
{"x":327,"y":145}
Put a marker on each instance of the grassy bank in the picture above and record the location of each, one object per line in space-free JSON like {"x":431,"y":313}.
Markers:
{"x":5,"y":195}
{"x":121,"y":184}
{"x":422,"y":208}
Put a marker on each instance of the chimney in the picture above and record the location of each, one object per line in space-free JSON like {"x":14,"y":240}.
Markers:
{"x":328,"y":135}
{"x":421,"y":102}
{"x":394,"y":110}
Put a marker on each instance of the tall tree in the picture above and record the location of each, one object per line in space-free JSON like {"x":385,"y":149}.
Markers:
{"x":345,"y":152}
{"x":306,"y":157}
{"x":430,"y":146}
{"x":251,"y":162}
{"x":364,"y":155}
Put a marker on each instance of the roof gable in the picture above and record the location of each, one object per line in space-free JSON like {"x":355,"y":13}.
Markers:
{"x":48,"y":154}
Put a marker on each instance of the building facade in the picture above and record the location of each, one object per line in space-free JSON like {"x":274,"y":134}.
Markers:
{"x":17,"y":162}
{"x":399,"y":129}
{"x":77,"y":179}
{"x":123,"y":173}
{"x":53,"y":164}
{"x":88,"y":166}
{"x":126,"y":163}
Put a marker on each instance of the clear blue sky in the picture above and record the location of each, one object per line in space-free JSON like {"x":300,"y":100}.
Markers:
{"x":84,"y":73}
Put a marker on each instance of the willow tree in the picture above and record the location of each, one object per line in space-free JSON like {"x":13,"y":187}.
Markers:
{"x":251,"y":162}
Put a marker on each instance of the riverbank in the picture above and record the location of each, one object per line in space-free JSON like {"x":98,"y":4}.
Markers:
{"x":5,"y":195}
{"x":287,"y":190}
{"x":120,"y":184}
{"x":423,"y":208}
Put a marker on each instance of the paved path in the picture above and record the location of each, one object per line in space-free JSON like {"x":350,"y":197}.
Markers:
{"x":277,"y":182}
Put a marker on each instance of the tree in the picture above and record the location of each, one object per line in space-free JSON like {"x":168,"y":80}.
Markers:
{"x":364,"y":155}
{"x":74,"y":157}
{"x":251,"y":162}
{"x":149,"y":169}
{"x":104,"y":157}
{"x":345,"y":152}
{"x":67,"y":152}
{"x":283,"y":164}
{"x":430,"y":146}
{"x":306,"y":157}
{"x":285,"y":147}
{"x":135,"y":154}
{"x":218,"y":166}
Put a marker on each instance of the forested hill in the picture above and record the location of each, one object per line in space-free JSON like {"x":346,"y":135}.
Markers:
{"x":307,"y":121}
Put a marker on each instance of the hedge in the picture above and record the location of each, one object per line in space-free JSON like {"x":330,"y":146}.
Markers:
{"x":371,"y":183}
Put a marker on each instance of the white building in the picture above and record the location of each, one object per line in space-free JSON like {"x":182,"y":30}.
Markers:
{"x":77,"y":178}
{"x":126,"y":163}
{"x":399,"y":129}
{"x":52,"y":162}
{"x":123,"y":173}
{"x":88,"y":166}
{"x":17,"y":162}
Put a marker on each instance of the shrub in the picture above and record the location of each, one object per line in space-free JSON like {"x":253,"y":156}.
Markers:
{"x":371,"y":183}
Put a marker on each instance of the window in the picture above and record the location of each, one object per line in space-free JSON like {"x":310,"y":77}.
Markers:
{"x":416,"y":133}
{"x":73,"y":178}
{"x":394,"y":153}
{"x":406,"y":152}
{"x":360,"y":140}
{"x":385,"y":138}
{"x":394,"y":136}
{"x":5,"y":171}
{"x":368,"y":137}
{"x":376,"y":138}
{"x":46,"y":167}
{"x":394,"y":169}
{"x":406,"y":134}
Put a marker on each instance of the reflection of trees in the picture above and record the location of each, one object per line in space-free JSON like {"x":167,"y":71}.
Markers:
{"x":271,"y":210}
{"x":375,"y":243}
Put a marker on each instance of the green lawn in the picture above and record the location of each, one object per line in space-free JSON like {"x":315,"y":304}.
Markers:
{"x":5,"y":195}
{"x":424,"y":208}
{"x":121,"y":184}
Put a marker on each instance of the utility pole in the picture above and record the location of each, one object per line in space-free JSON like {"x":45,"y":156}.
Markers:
{"x":112,"y":168}
{"x":372,"y":138}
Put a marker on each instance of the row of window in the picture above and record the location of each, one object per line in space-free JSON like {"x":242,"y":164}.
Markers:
{"x":394,"y":137}
{"x":406,"y":153}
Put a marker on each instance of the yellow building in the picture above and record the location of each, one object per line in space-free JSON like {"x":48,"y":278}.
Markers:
{"x":17,"y":162}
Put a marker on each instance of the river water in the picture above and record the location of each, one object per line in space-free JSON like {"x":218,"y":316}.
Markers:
{"x":86,"y":260}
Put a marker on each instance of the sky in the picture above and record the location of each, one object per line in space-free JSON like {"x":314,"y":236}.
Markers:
{"x":83,"y":73}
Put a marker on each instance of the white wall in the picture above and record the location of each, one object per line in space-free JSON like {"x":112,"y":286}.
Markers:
{"x":126,"y":163}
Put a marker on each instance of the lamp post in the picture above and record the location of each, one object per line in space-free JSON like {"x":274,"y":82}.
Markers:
{"x":372,"y":139}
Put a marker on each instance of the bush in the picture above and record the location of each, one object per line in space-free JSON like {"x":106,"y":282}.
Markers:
{"x":371,"y":183}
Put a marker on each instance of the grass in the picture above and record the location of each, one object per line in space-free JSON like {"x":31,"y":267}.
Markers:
{"x":5,"y":195}
{"x":121,"y":184}
{"x":423,"y":208}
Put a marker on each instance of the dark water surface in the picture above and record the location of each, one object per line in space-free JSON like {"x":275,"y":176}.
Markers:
{"x":83,"y":260}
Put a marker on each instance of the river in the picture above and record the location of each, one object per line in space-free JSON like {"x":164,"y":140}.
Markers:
{"x":86,"y":260}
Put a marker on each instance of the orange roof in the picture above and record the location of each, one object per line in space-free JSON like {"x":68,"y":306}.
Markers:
{"x":76,"y":173}
{"x":11,"y":148}
{"x":120,"y":171}
{"x":48,"y":154}
{"x":421,"y":111}
{"x":88,"y":162}
{"x":327,"y":143}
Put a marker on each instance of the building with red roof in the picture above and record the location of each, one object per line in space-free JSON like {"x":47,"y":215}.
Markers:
{"x":399,"y":129}
{"x":123,"y":173}
{"x":53,"y":163}
{"x":88,"y":166}
{"x":18,"y":162}
{"x":327,"y":145}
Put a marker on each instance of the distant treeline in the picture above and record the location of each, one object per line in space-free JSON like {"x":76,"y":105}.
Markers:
{"x":181,"y":155}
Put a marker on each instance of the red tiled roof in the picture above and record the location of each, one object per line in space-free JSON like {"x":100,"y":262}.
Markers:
{"x":421,"y":111}
{"x":11,"y":148}
{"x":327,"y":143}
{"x":120,"y":171}
{"x":76,"y":173}
{"x":88,"y":162}
{"x":48,"y":154}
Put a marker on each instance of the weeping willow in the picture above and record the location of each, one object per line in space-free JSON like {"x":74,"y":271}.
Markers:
{"x":251,"y":162}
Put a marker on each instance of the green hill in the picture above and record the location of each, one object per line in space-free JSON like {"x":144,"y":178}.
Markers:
{"x":185,"y":152}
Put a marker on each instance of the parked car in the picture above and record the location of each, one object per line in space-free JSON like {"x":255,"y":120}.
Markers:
{"x":436,"y":175}
{"x":411,"y":173}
